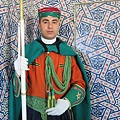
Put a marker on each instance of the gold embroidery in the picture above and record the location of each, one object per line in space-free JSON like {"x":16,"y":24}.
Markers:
{"x":78,"y":95}
{"x":35,"y":64}
{"x":61,"y":65}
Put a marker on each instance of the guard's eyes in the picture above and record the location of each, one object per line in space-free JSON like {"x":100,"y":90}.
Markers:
{"x":54,"y":22}
{"x":45,"y":22}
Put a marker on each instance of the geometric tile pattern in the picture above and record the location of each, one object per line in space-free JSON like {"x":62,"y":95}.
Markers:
{"x":98,"y":40}
{"x":95,"y":37}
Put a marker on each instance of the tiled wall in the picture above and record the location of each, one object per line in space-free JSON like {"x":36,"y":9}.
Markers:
{"x":93,"y":29}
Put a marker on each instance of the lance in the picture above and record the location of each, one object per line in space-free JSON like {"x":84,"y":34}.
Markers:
{"x":21,"y":52}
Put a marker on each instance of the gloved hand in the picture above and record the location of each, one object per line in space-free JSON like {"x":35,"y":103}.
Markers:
{"x":21,"y":63}
{"x":61,"y":106}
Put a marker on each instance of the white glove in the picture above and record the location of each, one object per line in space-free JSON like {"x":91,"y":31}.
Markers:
{"x":61,"y":106}
{"x":21,"y":63}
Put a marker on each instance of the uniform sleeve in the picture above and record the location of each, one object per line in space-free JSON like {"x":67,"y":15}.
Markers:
{"x":16,"y":84}
{"x":76,"y":93}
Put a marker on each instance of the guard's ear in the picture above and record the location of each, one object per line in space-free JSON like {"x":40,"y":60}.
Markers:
{"x":39,"y":23}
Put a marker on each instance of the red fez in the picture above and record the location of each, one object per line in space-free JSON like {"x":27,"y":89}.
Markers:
{"x":49,"y":11}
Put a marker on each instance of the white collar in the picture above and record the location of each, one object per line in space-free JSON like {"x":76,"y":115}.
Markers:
{"x":46,"y":41}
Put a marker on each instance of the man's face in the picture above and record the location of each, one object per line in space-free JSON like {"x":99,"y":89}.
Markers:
{"x":49,"y":27}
